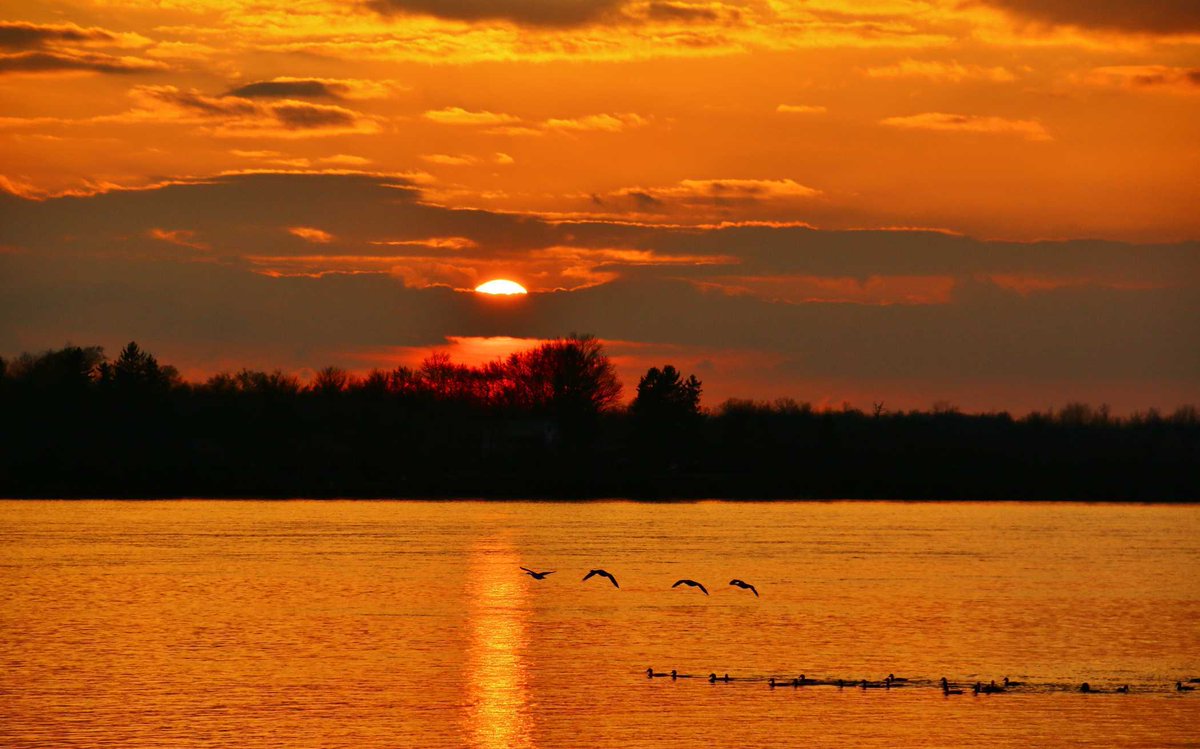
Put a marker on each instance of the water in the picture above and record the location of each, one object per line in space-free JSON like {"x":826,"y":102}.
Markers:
{"x":379,"y":624}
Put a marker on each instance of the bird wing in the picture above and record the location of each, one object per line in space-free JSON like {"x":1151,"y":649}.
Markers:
{"x":702,"y":588}
{"x":529,"y":570}
{"x":549,"y":572}
{"x":680,"y":582}
{"x":614,"y":580}
{"x":590,"y":574}
{"x":753,"y":590}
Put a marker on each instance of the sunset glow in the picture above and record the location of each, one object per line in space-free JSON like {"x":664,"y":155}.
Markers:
{"x":891,"y":199}
{"x":501,"y":287}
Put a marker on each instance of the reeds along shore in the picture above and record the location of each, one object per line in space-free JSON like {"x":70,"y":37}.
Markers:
{"x":542,"y":424}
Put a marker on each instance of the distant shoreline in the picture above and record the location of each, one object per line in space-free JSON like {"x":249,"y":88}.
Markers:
{"x":592,"y":499}
{"x":545,"y":425}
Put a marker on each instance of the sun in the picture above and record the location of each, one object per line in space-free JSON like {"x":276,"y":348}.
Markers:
{"x":501,"y":286}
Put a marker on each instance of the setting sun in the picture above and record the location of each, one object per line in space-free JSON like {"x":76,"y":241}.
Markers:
{"x":502,"y":287}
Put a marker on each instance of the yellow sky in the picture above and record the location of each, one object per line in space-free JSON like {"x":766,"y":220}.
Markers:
{"x":959,"y":115}
{"x":657,"y":127}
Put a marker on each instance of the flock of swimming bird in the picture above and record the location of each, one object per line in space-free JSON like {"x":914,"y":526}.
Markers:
{"x":889,"y":682}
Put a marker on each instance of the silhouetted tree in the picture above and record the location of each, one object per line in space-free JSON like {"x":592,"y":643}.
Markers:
{"x":569,"y":379}
{"x":664,"y":396}
{"x":666,"y":412}
{"x":137,"y":372}
{"x":330,"y":381}
{"x":72,"y":368}
{"x":73,"y":424}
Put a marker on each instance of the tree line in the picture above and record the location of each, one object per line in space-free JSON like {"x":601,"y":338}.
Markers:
{"x":543,"y":423}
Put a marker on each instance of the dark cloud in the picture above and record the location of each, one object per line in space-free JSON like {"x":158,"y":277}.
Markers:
{"x":524,"y":12}
{"x":1157,"y":16}
{"x":643,"y":200}
{"x":198,"y":103}
{"x":297,"y":116}
{"x":237,"y":115}
{"x":89,"y":271}
{"x":60,"y":62}
{"x":300,"y":88}
{"x":666,"y":11}
{"x":22,"y":35}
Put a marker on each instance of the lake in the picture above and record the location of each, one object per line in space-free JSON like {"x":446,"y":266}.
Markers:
{"x":398,"y":624}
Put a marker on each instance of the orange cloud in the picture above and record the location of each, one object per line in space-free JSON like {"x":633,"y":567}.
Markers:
{"x":181,"y":237}
{"x":433,"y":243}
{"x":875,"y":290}
{"x":448,"y":159}
{"x":460,"y":116}
{"x":935,"y":70}
{"x":311,"y":234}
{"x":970,"y":123}
{"x":800,"y":109}
{"x":1148,"y":78}
{"x":611,"y":123}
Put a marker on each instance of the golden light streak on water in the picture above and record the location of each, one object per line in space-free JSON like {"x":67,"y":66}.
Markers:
{"x":496,"y":676}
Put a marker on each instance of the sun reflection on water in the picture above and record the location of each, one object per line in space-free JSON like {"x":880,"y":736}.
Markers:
{"x":496,"y":678}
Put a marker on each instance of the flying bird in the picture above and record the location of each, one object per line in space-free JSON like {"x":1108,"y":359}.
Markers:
{"x":537,"y":575}
{"x":691,"y":583}
{"x":602,"y":573}
{"x":745,"y":585}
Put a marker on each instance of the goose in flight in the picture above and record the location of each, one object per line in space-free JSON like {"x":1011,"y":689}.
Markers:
{"x":691,"y":583}
{"x":537,"y":575}
{"x":602,"y":573}
{"x":745,"y":585}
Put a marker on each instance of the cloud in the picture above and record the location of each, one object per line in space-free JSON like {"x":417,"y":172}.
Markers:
{"x":460,"y":116}
{"x":970,"y":123}
{"x":522,"y":12}
{"x":311,"y":234}
{"x":345,"y":159}
{"x":512,"y":125}
{"x":448,"y":160}
{"x":432,"y":243}
{"x":87,"y":62}
{"x":22,"y":35}
{"x":700,"y":197}
{"x":1145,"y":77}
{"x":233,"y":116}
{"x":948,"y":71}
{"x":313,"y":88}
{"x":888,"y":310}
{"x":686,"y":12}
{"x":610,"y":123}
{"x":800,"y":109}
{"x":181,"y":237}
{"x":304,"y":116}
{"x":1158,"y":17}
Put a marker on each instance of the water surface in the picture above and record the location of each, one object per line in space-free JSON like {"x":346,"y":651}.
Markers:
{"x":375,"y":624}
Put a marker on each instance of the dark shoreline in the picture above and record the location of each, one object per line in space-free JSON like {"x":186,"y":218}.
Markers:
{"x":73,"y":424}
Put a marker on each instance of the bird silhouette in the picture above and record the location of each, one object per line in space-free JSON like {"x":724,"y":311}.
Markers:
{"x":537,"y":575}
{"x":602,"y":573}
{"x":691,"y":583}
{"x":745,"y":585}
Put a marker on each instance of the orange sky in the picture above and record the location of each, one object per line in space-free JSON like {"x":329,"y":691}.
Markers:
{"x":706,"y":154}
